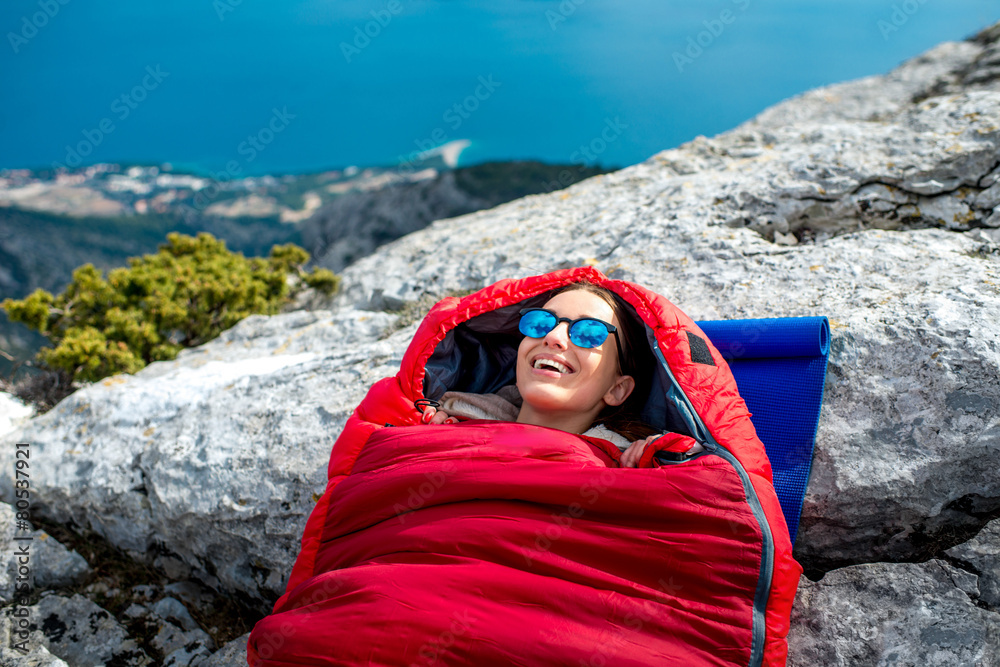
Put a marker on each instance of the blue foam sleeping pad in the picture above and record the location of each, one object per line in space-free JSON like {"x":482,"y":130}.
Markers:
{"x":780,"y":368}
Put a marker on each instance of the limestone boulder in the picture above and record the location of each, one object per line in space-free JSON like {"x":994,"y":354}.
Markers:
{"x":982,"y":555}
{"x":20,"y":651}
{"x":82,"y":633}
{"x":47,"y":563}
{"x":233,"y":654}
{"x":209,"y":464}
{"x":893,"y":614}
{"x":13,"y":412}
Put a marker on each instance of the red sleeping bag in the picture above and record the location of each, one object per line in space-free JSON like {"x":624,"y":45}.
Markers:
{"x":497,"y":543}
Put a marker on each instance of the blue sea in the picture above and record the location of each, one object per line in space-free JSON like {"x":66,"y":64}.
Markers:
{"x":296,"y":86}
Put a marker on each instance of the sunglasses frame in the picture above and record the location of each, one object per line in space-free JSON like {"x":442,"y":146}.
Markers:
{"x":612,"y":329}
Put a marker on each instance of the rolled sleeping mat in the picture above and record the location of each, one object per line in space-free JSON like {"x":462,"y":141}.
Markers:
{"x":780,"y":368}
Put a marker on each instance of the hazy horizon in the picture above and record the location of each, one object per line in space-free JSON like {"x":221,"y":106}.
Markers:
{"x":199,"y":83}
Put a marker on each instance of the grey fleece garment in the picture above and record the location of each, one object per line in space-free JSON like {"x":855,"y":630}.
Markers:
{"x":504,"y":406}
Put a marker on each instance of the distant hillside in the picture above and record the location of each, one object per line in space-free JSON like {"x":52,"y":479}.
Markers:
{"x":352,"y":213}
{"x":354,"y":225}
{"x":41,"y":250}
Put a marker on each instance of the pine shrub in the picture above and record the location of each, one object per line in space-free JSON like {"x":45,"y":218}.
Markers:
{"x":183,"y":296}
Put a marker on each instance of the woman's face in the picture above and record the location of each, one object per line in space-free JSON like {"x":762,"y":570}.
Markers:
{"x":588,"y":378}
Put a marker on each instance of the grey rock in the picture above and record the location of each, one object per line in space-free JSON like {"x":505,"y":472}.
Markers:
{"x":215,"y":458}
{"x":20,"y":651}
{"x":172,"y":610}
{"x":982,"y":554}
{"x":57,"y":565}
{"x":50,"y":564}
{"x":191,"y":593}
{"x":176,"y":635}
{"x":892,"y":614}
{"x":182,"y":648}
{"x":233,"y":654}
{"x":13,"y":412}
{"x":82,"y":633}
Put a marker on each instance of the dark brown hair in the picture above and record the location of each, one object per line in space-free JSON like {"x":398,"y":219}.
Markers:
{"x":637,"y":361}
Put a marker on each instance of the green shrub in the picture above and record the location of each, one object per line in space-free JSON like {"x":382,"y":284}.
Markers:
{"x":184,"y":295}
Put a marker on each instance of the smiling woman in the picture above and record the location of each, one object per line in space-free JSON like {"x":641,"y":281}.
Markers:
{"x":526,"y":527}
{"x":564,"y":384}
{"x":570,"y":377}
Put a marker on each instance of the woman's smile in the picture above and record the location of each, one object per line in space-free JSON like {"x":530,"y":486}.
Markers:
{"x":550,"y":366}
{"x":562,"y":384}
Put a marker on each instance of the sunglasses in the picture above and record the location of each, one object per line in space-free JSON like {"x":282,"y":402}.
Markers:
{"x":586,"y":332}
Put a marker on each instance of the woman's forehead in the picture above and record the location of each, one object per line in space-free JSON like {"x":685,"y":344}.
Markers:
{"x":578,"y":303}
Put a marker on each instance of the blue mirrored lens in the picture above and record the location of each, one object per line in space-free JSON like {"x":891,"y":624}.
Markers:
{"x":536,"y":323}
{"x":588,"y":333}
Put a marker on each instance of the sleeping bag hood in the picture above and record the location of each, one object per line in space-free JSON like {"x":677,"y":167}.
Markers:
{"x":497,"y":543}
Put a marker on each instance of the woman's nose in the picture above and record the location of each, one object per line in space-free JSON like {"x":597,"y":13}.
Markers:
{"x":559,"y":336}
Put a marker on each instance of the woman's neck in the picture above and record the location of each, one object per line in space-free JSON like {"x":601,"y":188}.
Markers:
{"x":572,"y":422}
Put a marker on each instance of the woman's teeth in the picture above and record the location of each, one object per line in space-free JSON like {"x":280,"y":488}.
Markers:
{"x":541,"y":363}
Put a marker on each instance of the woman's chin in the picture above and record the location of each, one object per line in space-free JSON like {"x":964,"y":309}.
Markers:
{"x":543,"y":398}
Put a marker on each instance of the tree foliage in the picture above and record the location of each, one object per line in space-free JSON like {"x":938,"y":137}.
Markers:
{"x":184,"y":295}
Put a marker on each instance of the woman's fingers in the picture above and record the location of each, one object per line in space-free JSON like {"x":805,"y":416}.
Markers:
{"x":632,"y":455}
{"x":432,"y":415}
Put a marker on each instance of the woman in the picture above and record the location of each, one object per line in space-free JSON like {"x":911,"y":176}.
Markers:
{"x":520,"y":541}
{"x":580,"y":387}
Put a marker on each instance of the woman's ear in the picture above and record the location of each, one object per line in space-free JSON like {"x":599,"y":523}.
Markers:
{"x":620,"y":390}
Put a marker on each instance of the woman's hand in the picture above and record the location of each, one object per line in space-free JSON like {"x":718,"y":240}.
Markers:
{"x":630,"y":457}
{"x":434,"y":416}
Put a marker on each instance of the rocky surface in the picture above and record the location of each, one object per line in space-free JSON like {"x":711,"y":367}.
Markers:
{"x":353,"y":225}
{"x":873,"y":202}
{"x":51,"y":565}
{"x":233,"y":654}
{"x":893,"y":614}
{"x":13,"y":412}
{"x":82,"y":633}
{"x":981,"y":555}
{"x":31,"y":654}
{"x":209,"y":464}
